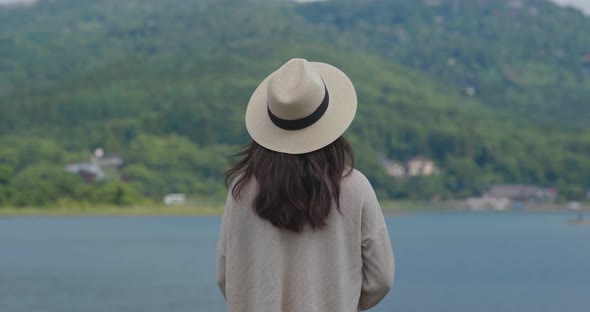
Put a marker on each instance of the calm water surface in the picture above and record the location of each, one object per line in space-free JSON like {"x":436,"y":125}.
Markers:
{"x":445,"y":262}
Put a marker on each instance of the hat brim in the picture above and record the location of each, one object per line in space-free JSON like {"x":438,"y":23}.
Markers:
{"x":337,"y":118}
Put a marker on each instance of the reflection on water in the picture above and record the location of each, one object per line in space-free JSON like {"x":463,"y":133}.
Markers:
{"x":445,"y":262}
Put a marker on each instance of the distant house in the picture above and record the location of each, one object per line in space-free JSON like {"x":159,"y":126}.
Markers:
{"x":502,"y":197}
{"x":486,"y":203}
{"x":418,"y":166}
{"x":175,"y":199}
{"x":90,"y":172}
{"x":421,"y":166}
{"x":396,"y":170}
{"x":522,"y":193}
{"x":95,"y":169}
{"x":112,"y":162}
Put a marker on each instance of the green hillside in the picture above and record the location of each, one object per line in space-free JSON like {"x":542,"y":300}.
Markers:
{"x":530,"y":58}
{"x":165,"y":85}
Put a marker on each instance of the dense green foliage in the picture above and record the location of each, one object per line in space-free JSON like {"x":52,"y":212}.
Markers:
{"x":518,"y":56}
{"x":165,"y":84}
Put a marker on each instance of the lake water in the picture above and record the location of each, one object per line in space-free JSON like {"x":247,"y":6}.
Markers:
{"x":445,"y":262}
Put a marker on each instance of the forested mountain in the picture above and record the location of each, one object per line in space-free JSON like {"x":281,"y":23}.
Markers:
{"x":492,"y":91}
{"x":524,"y":57}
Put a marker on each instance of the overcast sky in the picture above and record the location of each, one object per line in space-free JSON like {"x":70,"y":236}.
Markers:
{"x":583,"y":4}
{"x":16,"y":1}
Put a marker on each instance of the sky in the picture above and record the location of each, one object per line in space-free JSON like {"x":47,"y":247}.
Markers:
{"x":582,"y":4}
{"x":16,"y":1}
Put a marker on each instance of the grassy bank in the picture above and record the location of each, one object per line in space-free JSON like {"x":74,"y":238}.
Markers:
{"x":215,"y":208}
{"x":146,"y":210}
{"x":206,"y":209}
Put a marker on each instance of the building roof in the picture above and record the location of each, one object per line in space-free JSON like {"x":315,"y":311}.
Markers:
{"x":86,"y":168}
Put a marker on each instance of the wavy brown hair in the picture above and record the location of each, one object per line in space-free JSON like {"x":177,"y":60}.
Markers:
{"x":293,"y":190}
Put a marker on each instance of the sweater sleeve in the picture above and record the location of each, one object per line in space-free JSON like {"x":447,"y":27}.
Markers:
{"x":222,"y":245}
{"x":377,"y":254}
{"x":220,"y":273}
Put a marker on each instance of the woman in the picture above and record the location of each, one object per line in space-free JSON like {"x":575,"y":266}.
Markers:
{"x":302,"y":230}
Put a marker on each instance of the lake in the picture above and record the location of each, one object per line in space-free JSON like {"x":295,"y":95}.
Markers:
{"x":445,"y":262}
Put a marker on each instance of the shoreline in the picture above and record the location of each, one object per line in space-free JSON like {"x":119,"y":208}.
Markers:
{"x":389,"y":208}
{"x":112,"y":211}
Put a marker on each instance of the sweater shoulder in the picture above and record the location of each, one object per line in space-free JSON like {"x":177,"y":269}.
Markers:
{"x":357,"y":180}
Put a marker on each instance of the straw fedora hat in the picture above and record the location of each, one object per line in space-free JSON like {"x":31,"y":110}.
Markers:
{"x":301,"y":107}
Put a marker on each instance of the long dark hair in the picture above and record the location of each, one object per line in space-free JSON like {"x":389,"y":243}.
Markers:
{"x":293,"y":190}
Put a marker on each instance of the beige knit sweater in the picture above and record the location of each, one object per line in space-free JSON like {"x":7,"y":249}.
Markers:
{"x":346,"y":266}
